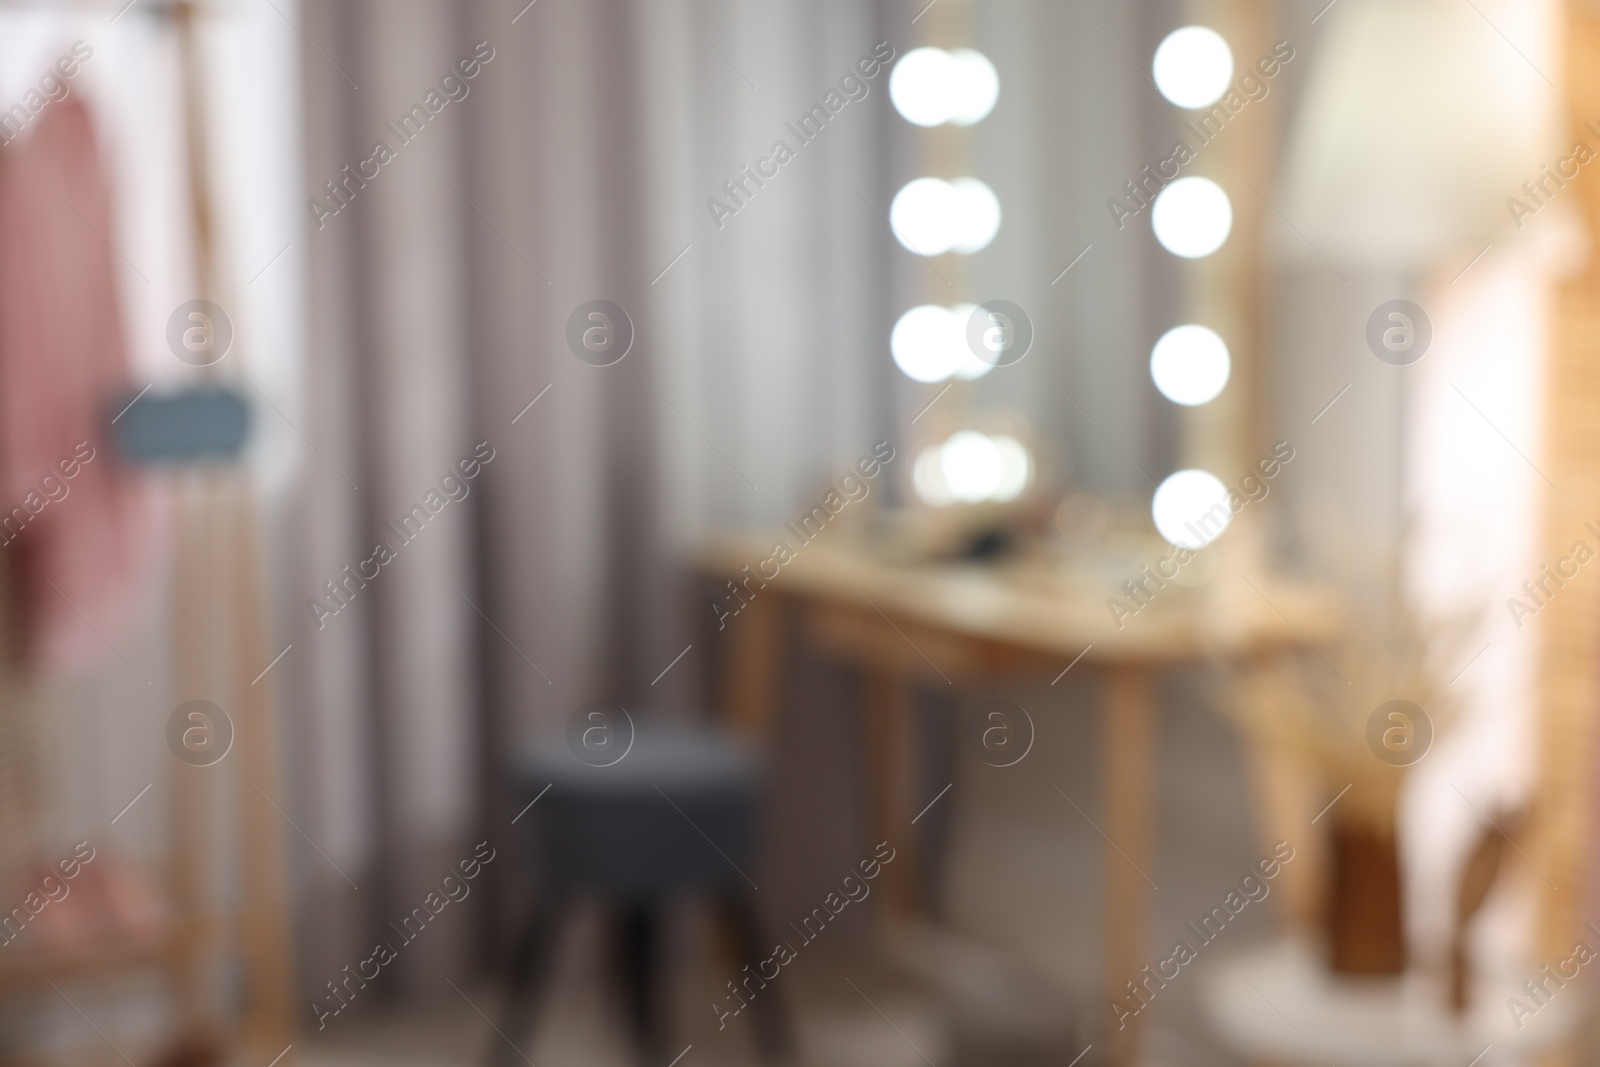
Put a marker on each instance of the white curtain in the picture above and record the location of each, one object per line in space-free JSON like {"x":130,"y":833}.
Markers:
{"x":575,"y":168}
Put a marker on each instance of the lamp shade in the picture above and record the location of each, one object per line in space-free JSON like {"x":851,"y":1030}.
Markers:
{"x":1419,"y":118}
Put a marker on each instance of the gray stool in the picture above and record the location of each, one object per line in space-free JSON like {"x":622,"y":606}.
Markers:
{"x":677,"y":814}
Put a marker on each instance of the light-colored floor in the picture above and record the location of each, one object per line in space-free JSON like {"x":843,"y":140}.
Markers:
{"x":889,"y":1021}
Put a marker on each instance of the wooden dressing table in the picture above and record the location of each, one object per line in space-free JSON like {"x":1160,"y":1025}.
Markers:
{"x":966,"y":624}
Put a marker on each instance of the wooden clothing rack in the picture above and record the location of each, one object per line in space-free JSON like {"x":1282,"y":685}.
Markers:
{"x":219,"y":646}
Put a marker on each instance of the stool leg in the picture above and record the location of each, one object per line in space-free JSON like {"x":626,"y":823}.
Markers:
{"x":640,"y":945}
{"x":774,"y":1035}
{"x":528,"y":976}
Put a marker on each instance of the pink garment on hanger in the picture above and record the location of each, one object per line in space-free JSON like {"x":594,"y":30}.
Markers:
{"x":79,"y":540}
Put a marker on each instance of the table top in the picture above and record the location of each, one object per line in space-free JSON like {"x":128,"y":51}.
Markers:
{"x":1046,"y":605}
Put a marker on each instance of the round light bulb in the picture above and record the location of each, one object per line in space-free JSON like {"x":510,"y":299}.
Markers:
{"x":971,"y":465}
{"x":1190,"y":508}
{"x":927,"y":477}
{"x":977,"y":86}
{"x":1193,"y":66}
{"x":1189,"y":365}
{"x":921,"y":343}
{"x":968,"y":366}
{"x":923,"y":86}
{"x":976,"y":215}
{"x":1015,"y":468}
{"x":923,"y":216}
{"x":1191,"y":217}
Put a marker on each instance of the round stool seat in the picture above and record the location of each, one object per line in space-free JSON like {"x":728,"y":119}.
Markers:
{"x":668,"y":809}
{"x":677,"y":810}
